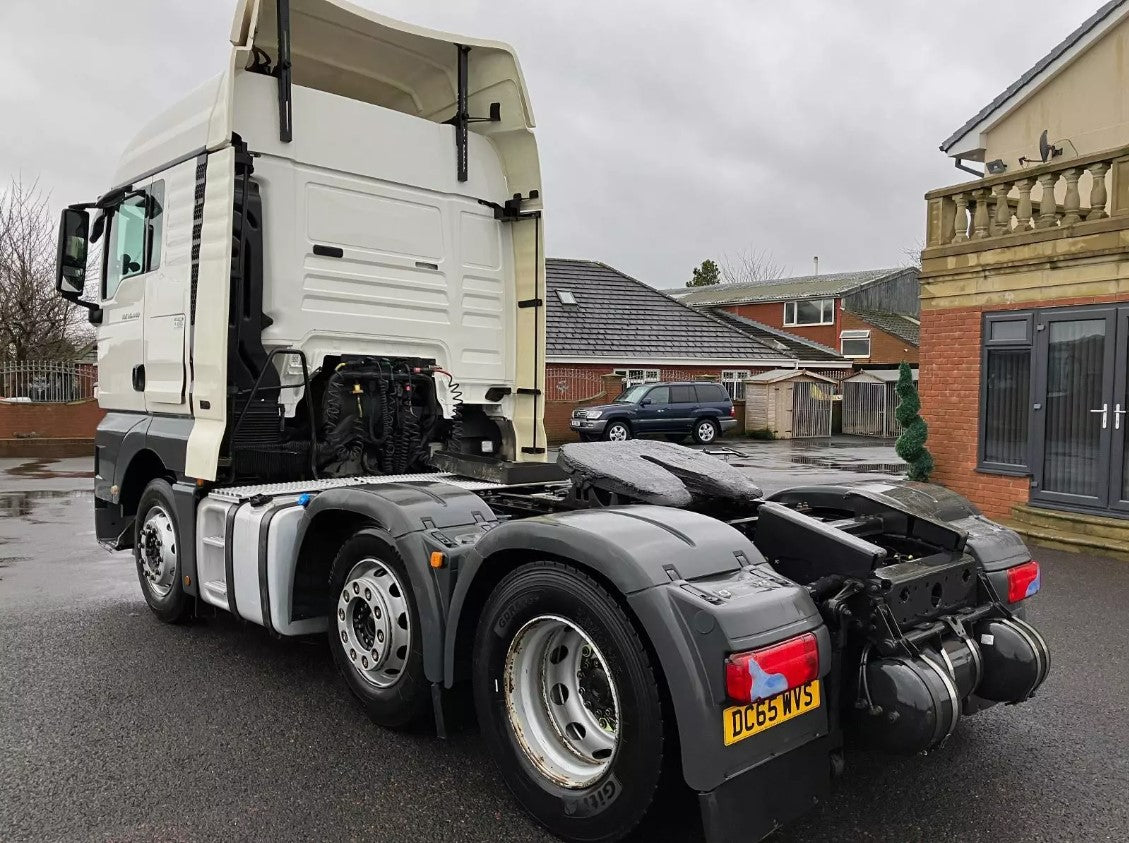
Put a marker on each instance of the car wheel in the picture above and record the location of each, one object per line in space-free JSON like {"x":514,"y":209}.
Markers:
{"x":568,"y":702}
{"x":617,"y":431}
{"x":374,"y":631}
{"x":705,"y":431}
{"x":157,"y":543}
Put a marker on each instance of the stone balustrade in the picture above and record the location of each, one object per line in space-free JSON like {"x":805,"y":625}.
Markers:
{"x":1054,"y":196}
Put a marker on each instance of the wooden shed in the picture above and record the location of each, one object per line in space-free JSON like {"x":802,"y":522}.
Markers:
{"x":869,"y":402}
{"x":792,"y":403}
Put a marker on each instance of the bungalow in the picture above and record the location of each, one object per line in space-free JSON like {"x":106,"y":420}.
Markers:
{"x":606,"y":329}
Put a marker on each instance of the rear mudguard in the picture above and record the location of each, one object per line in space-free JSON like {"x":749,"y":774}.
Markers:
{"x":698,"y":590}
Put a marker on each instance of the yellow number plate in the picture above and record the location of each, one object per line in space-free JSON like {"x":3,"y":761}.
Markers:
{"x":744,"y":721}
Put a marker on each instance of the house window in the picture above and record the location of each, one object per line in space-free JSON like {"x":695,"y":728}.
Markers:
{"x":1005,"y":399}
{"x":634,"y":376}
{"x":809,"y":312}
{"x":855,"y":343}
{"x":734,"y":382}
{"x":566,"y":297}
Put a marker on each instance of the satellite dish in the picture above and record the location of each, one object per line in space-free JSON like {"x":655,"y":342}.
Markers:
{"x":1047,"y":150}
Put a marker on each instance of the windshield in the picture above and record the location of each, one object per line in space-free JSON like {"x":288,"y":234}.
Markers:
{"x":633,"y":395}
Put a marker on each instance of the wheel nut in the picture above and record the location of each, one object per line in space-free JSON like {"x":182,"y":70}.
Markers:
{"x":345,"y":596}
{"x":380,"y":635}
{"x":376,"y":612}
{"x":341,"y":615}
{"x":356,"y":588}
{"x":375,"y":656}
{"x":364,"y":661}
{"x":368,"y":594}
{"x":344,"y":637}
{"x":353,"y":655}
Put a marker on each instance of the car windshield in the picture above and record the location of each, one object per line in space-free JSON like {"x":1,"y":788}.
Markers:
{"x":633,"y":395}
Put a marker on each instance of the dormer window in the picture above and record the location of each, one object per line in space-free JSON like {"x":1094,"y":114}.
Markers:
{"x":809,"y":312}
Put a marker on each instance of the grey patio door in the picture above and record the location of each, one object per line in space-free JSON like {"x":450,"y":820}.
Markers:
{"x":1075,"y":360}
{"x":1119,"y":451}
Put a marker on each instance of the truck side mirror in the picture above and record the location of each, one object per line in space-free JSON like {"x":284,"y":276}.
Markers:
{"x":70,"y":267}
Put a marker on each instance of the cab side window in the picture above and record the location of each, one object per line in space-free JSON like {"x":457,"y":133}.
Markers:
{"x":659,"y":395}
{"x":133,"y":245}
{"x":682,"y":395}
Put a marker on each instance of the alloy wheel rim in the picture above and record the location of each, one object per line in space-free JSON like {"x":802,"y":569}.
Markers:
{"x":373,"y":623}
{"x":618,"y":433}
{"x":562,"y":702}
{"x":705,"y":432}
{"x":158,"y":551}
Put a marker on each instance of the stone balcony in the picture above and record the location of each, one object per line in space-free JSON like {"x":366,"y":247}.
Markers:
{"x":1061,"y":225}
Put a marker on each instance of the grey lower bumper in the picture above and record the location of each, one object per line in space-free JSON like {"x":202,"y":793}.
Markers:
{"x":592,"y":427}
{"x":727,"y":424}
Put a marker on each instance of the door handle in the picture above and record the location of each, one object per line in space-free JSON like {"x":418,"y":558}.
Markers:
{"x":1105,"y":415}
{"x":1117,"y":414}
{"x":139,"y":377}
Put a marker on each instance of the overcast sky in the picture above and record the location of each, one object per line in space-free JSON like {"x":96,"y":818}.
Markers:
{"x":670,"y":131}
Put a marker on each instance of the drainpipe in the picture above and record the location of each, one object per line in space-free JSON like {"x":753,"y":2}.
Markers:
{"x":960,"y":165}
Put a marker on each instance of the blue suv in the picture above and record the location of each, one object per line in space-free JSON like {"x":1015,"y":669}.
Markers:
{"x":675,"y":410}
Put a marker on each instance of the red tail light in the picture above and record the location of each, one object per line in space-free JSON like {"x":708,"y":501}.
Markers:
{"x":1023,"y":581}
{"x":764,"y":673}
{"x":732,"y":412}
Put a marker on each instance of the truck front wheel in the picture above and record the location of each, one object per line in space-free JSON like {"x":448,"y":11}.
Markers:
{"x":374,"y":631}
{"x":156,"y":550}
{"x":568,"y":702}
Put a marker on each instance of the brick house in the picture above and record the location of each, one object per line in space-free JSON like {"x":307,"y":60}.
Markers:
{"x":606,"y":329}
{"x":869,"y":317}
{"x":1025,"y":298}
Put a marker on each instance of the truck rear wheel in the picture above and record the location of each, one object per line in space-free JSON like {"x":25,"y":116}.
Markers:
{"x":156,"y":550}
{"x":568,"y":703}
{"x":374,"y":631}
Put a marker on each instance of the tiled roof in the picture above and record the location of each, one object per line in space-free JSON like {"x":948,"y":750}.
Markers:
{"x":1041,"y":65}
{"x":892,"y":323}
{"x":619,"y":318}
{"x":788,"y":289}
{"x":800,"y":347}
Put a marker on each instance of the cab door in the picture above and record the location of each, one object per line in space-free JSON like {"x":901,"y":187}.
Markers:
{"x":121,"y":333}
{"x":166,"y":292}
{"x":650,"y":414}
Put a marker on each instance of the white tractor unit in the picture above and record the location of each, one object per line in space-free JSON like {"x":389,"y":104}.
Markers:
{"x":321,"y":343}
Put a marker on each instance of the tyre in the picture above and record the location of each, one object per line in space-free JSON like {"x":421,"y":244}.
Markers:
{"x":568,"y":703}
{"x":706,"y":431}
{"x":374,"y":631}
{"x":157,"y":540}
{"x":617,"y":431}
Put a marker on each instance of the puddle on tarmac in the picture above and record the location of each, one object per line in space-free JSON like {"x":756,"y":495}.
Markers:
{"x":847,"y":465}
{"x":21,"y":504}
{"x":39,"y":470}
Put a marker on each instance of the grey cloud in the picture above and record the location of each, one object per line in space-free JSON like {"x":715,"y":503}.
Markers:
{"x":669,"y":131}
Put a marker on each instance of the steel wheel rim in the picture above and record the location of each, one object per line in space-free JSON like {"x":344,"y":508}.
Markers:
{"x":562,"y":702}
{"x":373,"y":622}
{"x":705,"y":432}
{"x":157,"y":551}
{"x":618,"y":433}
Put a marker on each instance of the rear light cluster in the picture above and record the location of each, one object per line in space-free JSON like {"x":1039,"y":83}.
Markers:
{"x":1023,"y":581}
{"x":760,"y":674}
{"x":732,"y":412}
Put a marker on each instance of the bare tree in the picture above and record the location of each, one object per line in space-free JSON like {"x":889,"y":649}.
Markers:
{"x":35,"y":323}
{"x":912,"y":254}
{"x":750,"y":266}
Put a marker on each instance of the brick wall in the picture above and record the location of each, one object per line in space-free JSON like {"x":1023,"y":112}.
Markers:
{"x":77,"y":420}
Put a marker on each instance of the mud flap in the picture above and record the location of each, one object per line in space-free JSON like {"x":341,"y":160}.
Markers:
{"x":752,"y":805}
